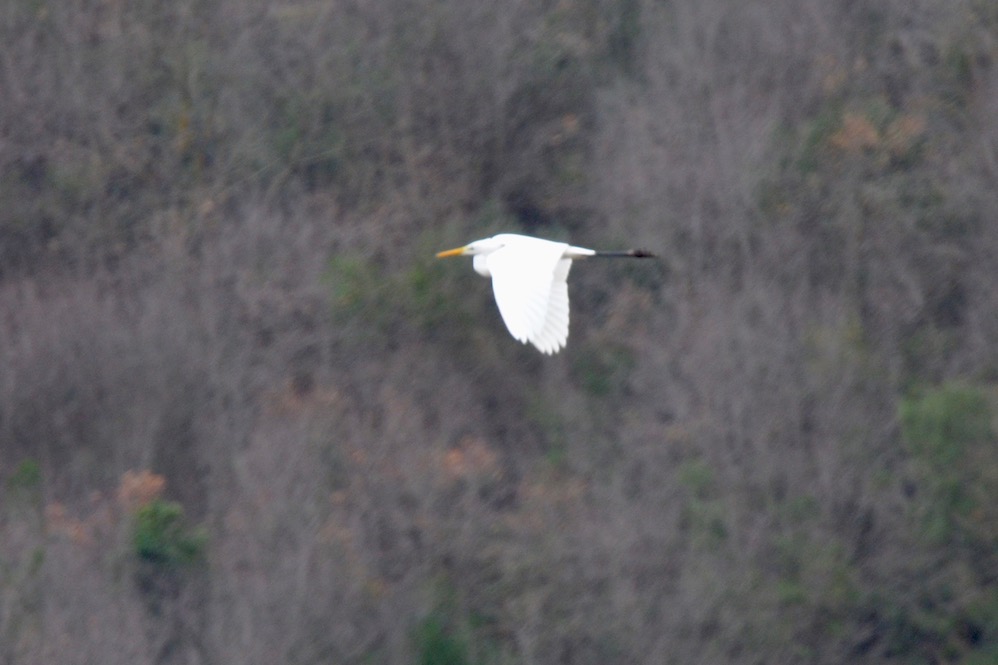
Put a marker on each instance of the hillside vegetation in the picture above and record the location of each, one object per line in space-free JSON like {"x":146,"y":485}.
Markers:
{"x":246,"y":417}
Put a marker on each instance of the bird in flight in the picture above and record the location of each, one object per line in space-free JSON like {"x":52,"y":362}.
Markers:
{"x":529,"y":281}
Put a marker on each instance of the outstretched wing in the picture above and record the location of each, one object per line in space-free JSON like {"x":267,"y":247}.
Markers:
{"x":554,"y":335}
{"x":529,"y":282}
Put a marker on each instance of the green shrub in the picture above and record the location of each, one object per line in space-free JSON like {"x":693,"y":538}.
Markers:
{"x":24,"y":487}
{"x":948,"y":433}
{"x":436,"y":645}
{"x":703,"y":512}
{"x":27,"y":476}
{"x":545,"y":415}
{"x":161,"y":535}
{"x":603,"y":369}
{"x":939,"y":424}
{"x":375,"y":303}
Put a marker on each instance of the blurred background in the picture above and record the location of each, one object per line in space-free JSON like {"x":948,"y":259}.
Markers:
{"x":246,"y":417}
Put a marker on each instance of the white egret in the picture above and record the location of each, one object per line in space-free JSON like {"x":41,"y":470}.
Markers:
{"x":528,"y":279}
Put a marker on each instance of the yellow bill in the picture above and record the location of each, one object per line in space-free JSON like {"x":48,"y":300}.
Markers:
{"x":457,"y":251}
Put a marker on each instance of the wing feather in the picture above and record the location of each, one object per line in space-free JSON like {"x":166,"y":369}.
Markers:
{"x":554,"y":334}
{"x":528,"y":280}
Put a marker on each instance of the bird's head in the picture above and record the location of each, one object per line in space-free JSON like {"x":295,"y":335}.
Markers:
{"x":476,"y":248}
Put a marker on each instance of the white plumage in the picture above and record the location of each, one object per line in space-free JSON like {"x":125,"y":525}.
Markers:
{"x":529,"y":280}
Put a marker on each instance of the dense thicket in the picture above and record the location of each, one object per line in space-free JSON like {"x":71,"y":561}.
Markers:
{"x":246,"y":417}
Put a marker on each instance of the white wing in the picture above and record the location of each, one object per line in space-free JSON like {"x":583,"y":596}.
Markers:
{"x":554,"y":335}
{"x":528,"y":279}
